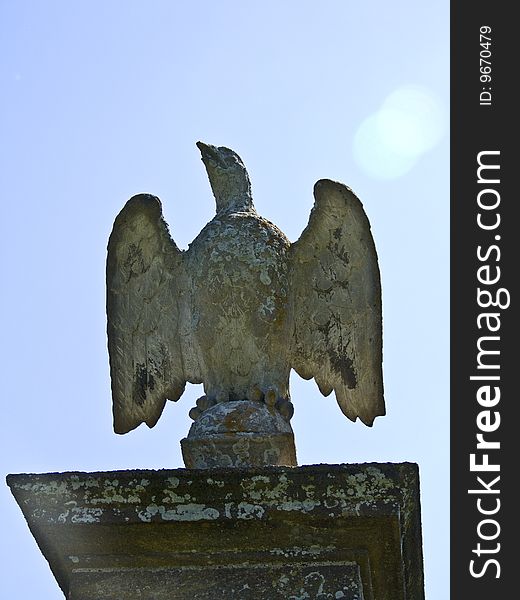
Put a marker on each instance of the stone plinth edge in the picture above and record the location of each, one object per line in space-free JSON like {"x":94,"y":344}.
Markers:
{"x":352,"y":531}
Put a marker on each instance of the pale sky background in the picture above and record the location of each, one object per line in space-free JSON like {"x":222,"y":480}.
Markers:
{"x":101,"y":100}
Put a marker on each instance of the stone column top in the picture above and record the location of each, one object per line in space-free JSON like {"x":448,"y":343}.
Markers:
{"x":177,"y":518}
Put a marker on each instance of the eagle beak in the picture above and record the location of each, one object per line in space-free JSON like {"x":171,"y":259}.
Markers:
{"x":202,"y":146}
{"x":208,"y":152}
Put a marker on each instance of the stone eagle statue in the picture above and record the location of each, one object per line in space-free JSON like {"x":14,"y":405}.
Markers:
{"x":242,"y":306}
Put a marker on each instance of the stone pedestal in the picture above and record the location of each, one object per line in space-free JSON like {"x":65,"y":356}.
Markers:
{"x":324,"y":531}
{"x":239,"y":434}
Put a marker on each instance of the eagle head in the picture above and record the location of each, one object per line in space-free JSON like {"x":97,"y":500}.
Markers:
{"x":228,"y":177}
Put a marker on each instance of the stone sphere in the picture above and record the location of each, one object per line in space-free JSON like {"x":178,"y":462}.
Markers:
{"x":239,"y":416}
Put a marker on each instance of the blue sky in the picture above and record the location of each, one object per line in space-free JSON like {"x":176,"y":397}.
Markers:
{"x":103,"y":100}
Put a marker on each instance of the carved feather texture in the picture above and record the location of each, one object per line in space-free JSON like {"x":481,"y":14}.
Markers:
{"x":335,"y":286}
{"x":144,"y":272}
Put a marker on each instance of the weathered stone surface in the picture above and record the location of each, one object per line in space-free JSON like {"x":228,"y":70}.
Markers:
{"x":299,"y":581}
{"x":242,"y":306}
{"x":344,"y":529}
{"x":239,"y":434}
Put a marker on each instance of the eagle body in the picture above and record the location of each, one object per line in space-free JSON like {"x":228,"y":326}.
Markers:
{"x":242,"y":306}
{"x":237,"y":270}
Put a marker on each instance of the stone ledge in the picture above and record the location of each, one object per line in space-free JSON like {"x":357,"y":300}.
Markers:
{"x":246,"y":582}
{"x":105,"y":530}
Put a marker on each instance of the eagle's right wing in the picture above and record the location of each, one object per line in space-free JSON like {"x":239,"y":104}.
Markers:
{"x":144,"y":268}
{"x":336,"y":292}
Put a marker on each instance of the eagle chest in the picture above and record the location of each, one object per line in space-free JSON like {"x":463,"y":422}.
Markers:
{"x":238,"y":269}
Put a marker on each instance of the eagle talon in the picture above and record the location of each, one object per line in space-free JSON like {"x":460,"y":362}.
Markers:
{"x":285,"y":408}
{"x":280,"y":403}
{"x":256,"y":394}
{"x":203,"y":403}
{"x":270,"y":398}
{"x":194,"y":413}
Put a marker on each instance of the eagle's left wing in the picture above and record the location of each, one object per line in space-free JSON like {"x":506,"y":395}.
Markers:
{"x":336,"y":295}
{"x":144,"y":282}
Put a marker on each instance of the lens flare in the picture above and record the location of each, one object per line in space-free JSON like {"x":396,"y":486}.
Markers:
{"x":409,"y":123}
